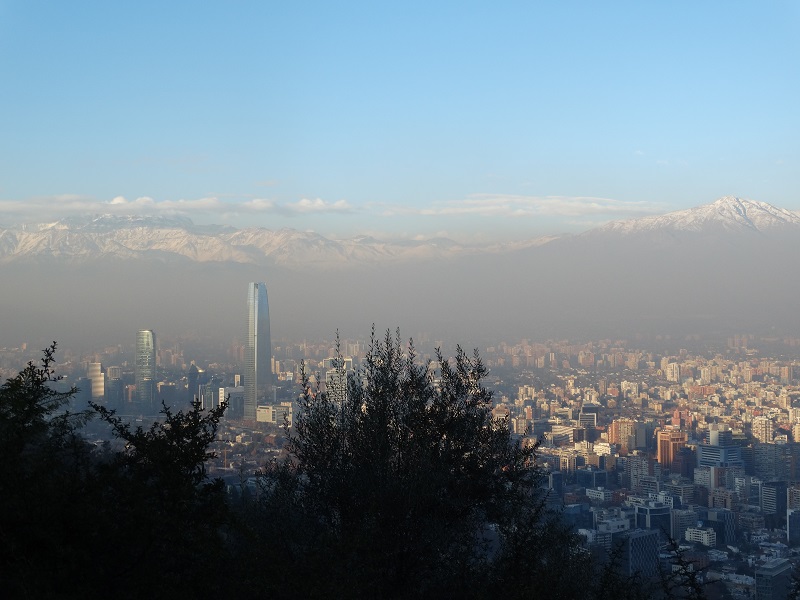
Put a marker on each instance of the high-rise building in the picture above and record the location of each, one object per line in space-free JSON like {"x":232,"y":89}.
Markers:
{"x":639,"y":552}
{"x":773,"y":497}
{"x":114,"y":388}
{"x":763,"y":429}
{"x":145,"y":376}
{"x":793,"y":527}
{"x":680,"y":521}
{"x":98,"y":379}
{"x":339,"y":376}
{"x":669,"y":442}
{"x":718,"y":449}
{"x":258,"y":351}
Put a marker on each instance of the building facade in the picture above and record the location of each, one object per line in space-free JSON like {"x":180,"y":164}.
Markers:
{"x":669,"y":441}
{"x":773,"y":579}
{"x":98,"y":379}
{"x":258,"y":351}
{"x":145,"y":375}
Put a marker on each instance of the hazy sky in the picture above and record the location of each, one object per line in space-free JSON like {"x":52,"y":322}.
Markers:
{"x":470,"y":119}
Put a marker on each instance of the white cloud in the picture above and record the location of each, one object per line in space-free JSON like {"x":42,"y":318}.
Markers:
{"x":56,"y":207}
{"x":319,"y":206}
{"x":497,"y":210}
{"x":258,"y":205}
{"x":514,"y":206}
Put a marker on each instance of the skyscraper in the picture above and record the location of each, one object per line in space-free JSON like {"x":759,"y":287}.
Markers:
{"x":670,"y":441}
{"x":97,"y":377}
{"x":114,"y":388}
{"x":146,"y":370}
{"x":258,"y":351}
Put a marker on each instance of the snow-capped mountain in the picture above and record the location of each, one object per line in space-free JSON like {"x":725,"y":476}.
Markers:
{"x":727,"y":214}
{"x":177,"y":238}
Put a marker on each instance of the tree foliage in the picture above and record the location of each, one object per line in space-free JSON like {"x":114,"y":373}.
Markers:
{"x":75,"y":522}
{"x":408,"y":486}
{"x":166,"y":510}
{"x":43,"y":475}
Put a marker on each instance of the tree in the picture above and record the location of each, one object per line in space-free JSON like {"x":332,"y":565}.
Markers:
{"x":406,"y":485}
{"x":794,"y":590}
{"x":165,"y":529}
{"x":683,"y":580}
{"x":29,"y":410}
{"x":144,"y":522}
{"x":43,"y":474}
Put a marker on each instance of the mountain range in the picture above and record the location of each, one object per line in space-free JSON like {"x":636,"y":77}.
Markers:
{"x":728,"y":266}
{"x":114,"y":237}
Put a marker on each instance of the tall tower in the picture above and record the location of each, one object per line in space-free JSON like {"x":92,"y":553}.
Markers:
{"x":146,"y":370}
{"x":98,"y":379}
{"x":257,"y":352}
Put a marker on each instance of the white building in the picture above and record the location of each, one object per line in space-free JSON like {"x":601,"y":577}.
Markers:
{"x":704,"y":535}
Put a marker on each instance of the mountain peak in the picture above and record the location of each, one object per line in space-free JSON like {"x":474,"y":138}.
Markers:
{"x":726,"y":214}
{"x":729,"y":201}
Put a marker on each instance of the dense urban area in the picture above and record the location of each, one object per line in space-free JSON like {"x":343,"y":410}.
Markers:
{"x":694,"y":442}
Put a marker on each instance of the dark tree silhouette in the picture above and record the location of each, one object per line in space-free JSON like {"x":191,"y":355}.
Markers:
{"x":407,"y":486}
{"x":144,"y":522}
{"x":167,"y":515}
{"x":44,"y":466}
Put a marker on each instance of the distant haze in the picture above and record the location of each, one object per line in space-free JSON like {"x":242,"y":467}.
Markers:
{"x":726,"y":267}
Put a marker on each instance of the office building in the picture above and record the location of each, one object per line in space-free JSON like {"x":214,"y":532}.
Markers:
{"x":98,"y":379}
{"x":793,"y":527}
{"x":115,"y":390}
{"x":634,"y":469}
{"x":629,"y":435}
{"x":258,"y":351}
{"x":639,"y":552}
{"x":773,"y":498}
{"x":721,"y":520}
{"x":680,"y":521}
{"x":773,"y":579}
{"x":338,"y":382}
{"x":719,"y":456}
{"x":653,"y":515}
{"x":589,"y":477}
{"x":145,"y":376}
{"x":702,"y":535}
{"x":670,"y":441}
{"x":234,"y":396}
{"x":763,"y":429}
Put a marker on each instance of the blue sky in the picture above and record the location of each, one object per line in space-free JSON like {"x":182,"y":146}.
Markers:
{"x":474,"y":120}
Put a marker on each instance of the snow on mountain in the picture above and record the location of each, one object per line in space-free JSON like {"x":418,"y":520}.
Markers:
{"x":727,"y":214}
{"x":177,"y":238}
{"x":171,"y":238}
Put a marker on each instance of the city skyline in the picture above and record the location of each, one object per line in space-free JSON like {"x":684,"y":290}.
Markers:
{"x":599,"y":200}
{"x":472,"y":121}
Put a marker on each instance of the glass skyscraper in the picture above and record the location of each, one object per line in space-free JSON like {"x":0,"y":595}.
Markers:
{"x":146,"y":371}
{"x":258,"y":351}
